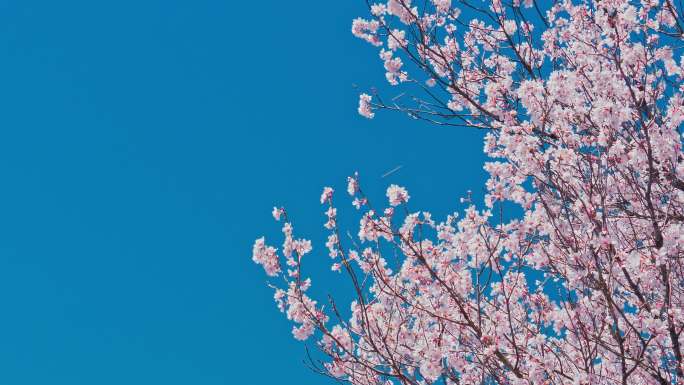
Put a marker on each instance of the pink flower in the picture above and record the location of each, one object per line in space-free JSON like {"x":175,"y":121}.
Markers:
{"x":303,"y":332}
{"x":442,"y":5}
{"x":302,"y":246}
{"x":352,"y":185}
{"x":397,"y":195}
{"x":277,"y":213}
{"x":327,"y":194}
{"x":393,"y":66}
{"x":365,"y":108}
{"x":397,"y":39}
{"x":378,"y":9}
{"x":332,"y":218}
{"x":366,"y":30}
{"x":402,"y":9}
{"x":266,"y":256}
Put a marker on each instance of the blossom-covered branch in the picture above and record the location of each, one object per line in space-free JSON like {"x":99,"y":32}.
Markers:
{"x":583,"y":107}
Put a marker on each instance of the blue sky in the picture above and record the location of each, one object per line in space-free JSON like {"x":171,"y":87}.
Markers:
{"x":142,"y":146}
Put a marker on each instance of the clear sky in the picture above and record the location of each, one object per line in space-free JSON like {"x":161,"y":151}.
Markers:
{"x":143,"y":144}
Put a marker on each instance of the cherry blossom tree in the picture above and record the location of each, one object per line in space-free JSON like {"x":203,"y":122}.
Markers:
{"x":581,"y":106}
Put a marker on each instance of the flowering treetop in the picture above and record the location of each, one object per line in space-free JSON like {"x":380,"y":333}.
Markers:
{"x":582,"y":106}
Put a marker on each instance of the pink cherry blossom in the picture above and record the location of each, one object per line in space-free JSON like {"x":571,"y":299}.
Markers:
{"x":266,"y":256}
{"x":366,"y":30}
{"x":365,"y":108}
{"x":327,"y":194}
{"x":277,"y":213}
{"x":352,"y":185}
{"x":397,"y":195}
{"x":442,"y":5}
